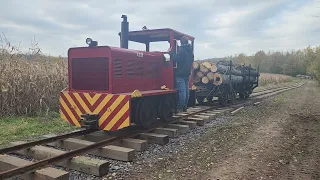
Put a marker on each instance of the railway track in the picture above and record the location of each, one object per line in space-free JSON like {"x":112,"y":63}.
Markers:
{"x":67,"y":150}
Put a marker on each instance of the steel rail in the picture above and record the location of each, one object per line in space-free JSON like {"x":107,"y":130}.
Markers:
{"x":273,"y":88}
{"x":42,"y":163}
{"x":279,"y":88}
{"x":272,"y":91}
{"x":68,"y":155}
{"x":269,"y":89}
{"x":44,"y":140}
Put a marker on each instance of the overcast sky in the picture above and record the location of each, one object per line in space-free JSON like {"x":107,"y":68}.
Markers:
{"x":221,"y":27}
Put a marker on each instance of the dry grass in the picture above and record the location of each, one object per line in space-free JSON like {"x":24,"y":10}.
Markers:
{"x":273,"y":79}
{"x":29,"y":83}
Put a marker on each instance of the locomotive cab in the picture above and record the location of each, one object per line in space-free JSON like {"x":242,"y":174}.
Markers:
{"x":111,"y":88}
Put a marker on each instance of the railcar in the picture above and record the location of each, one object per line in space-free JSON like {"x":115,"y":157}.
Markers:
{"x":231,"y":81}
{"x":110,"y":88}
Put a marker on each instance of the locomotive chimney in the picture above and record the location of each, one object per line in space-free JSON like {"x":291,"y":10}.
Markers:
{"x":124,"y":41}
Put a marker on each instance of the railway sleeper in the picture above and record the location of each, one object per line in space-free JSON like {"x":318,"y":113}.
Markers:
{"x":160,"y":139}
{"x":8,"y":162}
{"x":84,"y":164}
{"x":109,"y":151}
{"x":136,"y":144}
{"x":191,"y":124}
{"x":182,"y":129}
{"x":199,"y":121}
{"x":171,"y":132}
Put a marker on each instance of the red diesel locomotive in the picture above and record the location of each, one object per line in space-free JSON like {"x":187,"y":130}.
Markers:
{"x":110,"y":88}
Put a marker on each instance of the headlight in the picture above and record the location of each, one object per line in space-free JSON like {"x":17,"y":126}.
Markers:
{"x":89,"y":41}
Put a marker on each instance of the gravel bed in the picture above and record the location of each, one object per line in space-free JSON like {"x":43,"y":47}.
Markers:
{"x":154,"y":153}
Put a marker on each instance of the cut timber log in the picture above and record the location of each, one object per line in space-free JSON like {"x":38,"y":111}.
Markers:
{"x":235,"y":71}
{"x":196,"y":65}
{"x":203,"y":69}
{"x":234,"y":79}
{"x":210,"y":75}
{"x":213,"y":68}
{"x":197,"y":79}
{"x":205,"y":80}
{"x":217,"y":80}
{"x":199,"y":74}
{"x":207,"y":64}
{"x":221,"y":78}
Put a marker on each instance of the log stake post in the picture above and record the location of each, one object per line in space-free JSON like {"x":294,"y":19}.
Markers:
{"x":258,"y":76}
{"x":249,"y":72}
{"x":230,"y":70}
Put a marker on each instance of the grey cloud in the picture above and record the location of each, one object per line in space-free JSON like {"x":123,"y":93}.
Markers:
{"x":220,"y":27}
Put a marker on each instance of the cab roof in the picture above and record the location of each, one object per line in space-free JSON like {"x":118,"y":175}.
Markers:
{"x":154,"y":35}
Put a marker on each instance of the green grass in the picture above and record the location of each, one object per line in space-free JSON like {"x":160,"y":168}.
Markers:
{"x":23,"y":128}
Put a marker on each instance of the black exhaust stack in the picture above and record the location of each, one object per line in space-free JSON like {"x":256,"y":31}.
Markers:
{"x":124,"y":41}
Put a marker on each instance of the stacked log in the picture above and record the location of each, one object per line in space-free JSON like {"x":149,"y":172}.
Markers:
{"x":204,"y":72}
{"x":207,"y":72}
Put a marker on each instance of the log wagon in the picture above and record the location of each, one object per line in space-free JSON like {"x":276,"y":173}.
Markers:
{"x":224,"y":80}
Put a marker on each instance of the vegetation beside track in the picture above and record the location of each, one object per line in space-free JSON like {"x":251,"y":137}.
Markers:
{"x":274,"y":79}
{"x":23,"y":128}
{"x":30,"y":83}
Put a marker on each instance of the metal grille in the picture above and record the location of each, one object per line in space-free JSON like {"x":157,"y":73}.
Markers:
{"x":134,"y":68}
{"x":153,"y":69}
{"x":90,"y":73}
{"x":117,"y":68}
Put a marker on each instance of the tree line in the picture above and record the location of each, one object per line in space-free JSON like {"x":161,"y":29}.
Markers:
{"x":292,"y":63}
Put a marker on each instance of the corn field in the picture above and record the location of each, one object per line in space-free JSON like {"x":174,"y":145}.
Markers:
{"x":30,"y":83}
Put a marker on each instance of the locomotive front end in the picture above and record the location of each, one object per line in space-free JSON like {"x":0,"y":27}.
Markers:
{"x":88,"y":101}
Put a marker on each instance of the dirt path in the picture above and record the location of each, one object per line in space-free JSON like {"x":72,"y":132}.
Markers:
{"x":279,"y":139}
{"x":284,"y":146}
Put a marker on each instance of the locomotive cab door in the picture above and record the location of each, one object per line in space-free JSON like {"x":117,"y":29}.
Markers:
{"x":175,"y":49}
{"x":192,"y":89}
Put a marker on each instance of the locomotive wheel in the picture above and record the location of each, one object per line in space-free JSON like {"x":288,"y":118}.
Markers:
{"x":200,"y":100}
{"x":222,"y":99}
{"x":232,"y":96}
{"x":242,"y":95}
{"x":166,"y":109}
{"x":247,"y":94}
{"x":146,"y":113}
{"x":209,"y":98}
